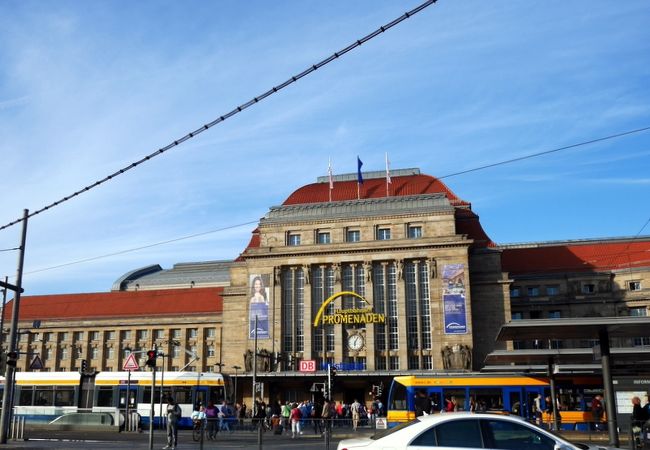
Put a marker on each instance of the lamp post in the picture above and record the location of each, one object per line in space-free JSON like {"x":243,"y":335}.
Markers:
{"x":237,"y":369}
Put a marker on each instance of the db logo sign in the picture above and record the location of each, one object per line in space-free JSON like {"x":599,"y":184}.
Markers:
{"x":308,"y":365}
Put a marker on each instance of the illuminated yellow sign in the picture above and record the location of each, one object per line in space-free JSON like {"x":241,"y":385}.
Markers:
{"x":348,"y":316}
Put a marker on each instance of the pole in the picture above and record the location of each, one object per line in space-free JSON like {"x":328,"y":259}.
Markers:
{"x":608,"y":384}
{"x":255,"y":404}
{"x":9,"y":371}
{"x":2,"y":317}
{"x":551,"y":377}
{"x":162,"y":383}
{"x":151,"y":412}
{"x":128,"y":394}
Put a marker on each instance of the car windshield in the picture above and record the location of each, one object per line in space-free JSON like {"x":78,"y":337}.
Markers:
{"x":401,"y":426}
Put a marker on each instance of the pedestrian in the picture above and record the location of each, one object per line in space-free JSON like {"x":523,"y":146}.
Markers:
{"x":296,"y":415}
{"x":211,"y":416}
{"x":326,"y":414}
{"x":354,"y":408}
{"x":597,"y":411}
{"x":286,"y":417}
{"x":174,"y":414}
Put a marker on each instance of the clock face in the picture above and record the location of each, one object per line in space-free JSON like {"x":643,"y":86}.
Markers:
{"x":355,"y":342}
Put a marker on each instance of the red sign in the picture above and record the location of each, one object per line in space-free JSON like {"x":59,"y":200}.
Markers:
{"x":307,"y":365}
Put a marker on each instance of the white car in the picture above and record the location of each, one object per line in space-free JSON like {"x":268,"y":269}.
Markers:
{"x":461,"y":430}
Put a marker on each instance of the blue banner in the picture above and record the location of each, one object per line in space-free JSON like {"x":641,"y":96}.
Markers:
{"x":453,"y":299}
{"x":259,"y":307}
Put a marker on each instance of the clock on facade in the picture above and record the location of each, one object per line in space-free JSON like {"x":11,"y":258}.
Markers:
{"x":355,"y":342}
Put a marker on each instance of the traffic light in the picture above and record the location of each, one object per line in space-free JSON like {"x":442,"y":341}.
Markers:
{"x":289,"y":361}
{"x":12,"y":358}
{"x":332,"y":374}
{"x":380,"y":389}
{"x":332,"y":371}
{"x":84,"y":366}
{"x":151,"y":358}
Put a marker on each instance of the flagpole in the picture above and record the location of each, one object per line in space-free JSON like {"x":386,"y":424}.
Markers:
{"x":331,"y":180}
{"x":388,"y":180}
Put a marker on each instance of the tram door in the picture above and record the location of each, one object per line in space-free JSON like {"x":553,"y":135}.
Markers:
{"x":513,"y":401}
{"x":132,"y":395}
{"x":530,"y":394}
{"x":200,"y":396}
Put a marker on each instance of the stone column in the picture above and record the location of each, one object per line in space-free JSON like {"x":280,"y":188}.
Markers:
{"x":338,"y":329}
{"x":401,"y":315}
{"x":307,"y":315}
{"x":370,"y":328}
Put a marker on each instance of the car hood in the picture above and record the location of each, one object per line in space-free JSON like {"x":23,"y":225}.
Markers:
{"x":355,"y":443}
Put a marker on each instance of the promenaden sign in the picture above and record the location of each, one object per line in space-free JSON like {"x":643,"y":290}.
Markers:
{"x":348,"y":316}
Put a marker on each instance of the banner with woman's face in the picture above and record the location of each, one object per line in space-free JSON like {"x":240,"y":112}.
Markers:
{"x":258,"y":306}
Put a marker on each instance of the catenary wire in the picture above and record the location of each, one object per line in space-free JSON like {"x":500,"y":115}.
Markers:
{"x":546,"y":152}
{"x":94,"y":258}
{"x":134,"y":249}
{"x":237,"y":110}
{"x":9,"y":249}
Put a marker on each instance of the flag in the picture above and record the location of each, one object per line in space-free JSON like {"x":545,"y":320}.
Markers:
{"x":359,"y":177}
{"x":388,"y":181}
{"x":329,"y":173}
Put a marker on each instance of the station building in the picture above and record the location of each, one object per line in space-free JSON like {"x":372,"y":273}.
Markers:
{"x":379,"y":280}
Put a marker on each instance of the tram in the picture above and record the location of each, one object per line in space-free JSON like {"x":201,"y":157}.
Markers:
{"x":501,"y":393}
{"x":44,"y":396}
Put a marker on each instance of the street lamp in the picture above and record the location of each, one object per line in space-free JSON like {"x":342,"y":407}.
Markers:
{"x":237,"y":369}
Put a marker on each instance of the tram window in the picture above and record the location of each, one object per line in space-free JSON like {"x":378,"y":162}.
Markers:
{"x":398,"y":399}
{"x":25,"y":398}
{"x":457,"y":399}
{"x":44,"y":397}
{"x":216,"y":395}
{"x":105,"y":397}
{"x":487,"y":399}
{"x":183,"y":395}
{"x":64,"y":397}
{"x":199,"y":397}
{"x":146,"y":395}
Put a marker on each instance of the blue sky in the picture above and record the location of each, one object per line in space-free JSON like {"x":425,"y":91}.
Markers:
{"x":88,"y":87}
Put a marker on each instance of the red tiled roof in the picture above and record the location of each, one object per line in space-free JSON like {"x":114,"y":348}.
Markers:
{"x":372,"y":188}
{"x":466,"y":221}
{"x":168,"y":302}
{"x":577,"y":257}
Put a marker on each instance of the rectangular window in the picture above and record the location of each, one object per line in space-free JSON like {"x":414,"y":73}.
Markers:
{"x":64,"y":353}
{"x":640,"y":341}
{"x":634,"y":285}
{"x":94,"y":335}
{"x":323,"y":237}
{"x":110,"y":335}
{"x":353,"y":236}
{"x":143,"y":334}
{"x":64,"y":336}
{"x":125,"y":353}
{"x":383,"y":234}
{"x":293,"y":239}
{"x":176,"y":352}
{"x":159,"y":334}
{"x":515,"y":292}
{"x":588,"y":288}
{"x":193,"y":333}
{"x":126,"y":335}
{"x":418,"y":314}
{"x":414,"y":231}
{"x":533,"y":291}
{"x":110,"y":353}
{"x":210,"y":332}
{"x":94,"y":353}
{"x":176,"y":333}
{"x":517,"y":316}
{"x":47,"y":337}
{"x":552,"y":291}
{"x":78,"y":335}
{"x":554,"y":314}
{"x":211,"y":351}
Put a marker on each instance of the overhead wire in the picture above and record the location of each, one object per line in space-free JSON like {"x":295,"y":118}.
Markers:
{"x":134,"y":249}
{"x":546,"y":152}
{"x":235,"y":111}
{"x":487,"y":166}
